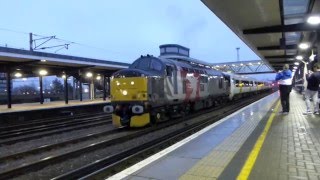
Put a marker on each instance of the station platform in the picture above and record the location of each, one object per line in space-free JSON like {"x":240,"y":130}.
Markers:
{"x":48,"y":105}
{"x":30,"y":111}
{"x":256,"y":142}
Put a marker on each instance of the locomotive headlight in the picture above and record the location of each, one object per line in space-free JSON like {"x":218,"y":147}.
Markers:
{"x":137,"y":109}
{"x":124,"y":92}
{"x":108,"y":109}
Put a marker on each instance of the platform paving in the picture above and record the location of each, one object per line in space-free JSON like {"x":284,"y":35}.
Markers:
{"x":292,"y":147}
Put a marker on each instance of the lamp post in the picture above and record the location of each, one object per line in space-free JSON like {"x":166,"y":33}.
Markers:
{"x":41,"y":74}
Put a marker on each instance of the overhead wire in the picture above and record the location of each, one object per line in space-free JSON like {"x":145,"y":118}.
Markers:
{"x":66,"y":41}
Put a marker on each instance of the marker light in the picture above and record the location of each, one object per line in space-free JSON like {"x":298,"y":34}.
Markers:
{"x":314,"y":20}
{"x":124,"y":92}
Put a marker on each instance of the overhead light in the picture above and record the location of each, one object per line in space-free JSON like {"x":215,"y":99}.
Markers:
{"x":304,"y":45}
{"x":17,"y":74}
{"x":98,"y":77}
{"x":43,"y":60}
{"x":89,"y":74}
{"x":64,"y":76}
{"x":296,"y":63}
{"x":43,"y":72}
{"x":314,"y":20}
{"x":295,"y":67}
{"x":24,"y":79}
{"x":299,"y":57}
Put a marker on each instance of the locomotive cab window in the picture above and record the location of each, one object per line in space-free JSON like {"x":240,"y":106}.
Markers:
{"x":169,"y":70}
{"x":156,"y":65}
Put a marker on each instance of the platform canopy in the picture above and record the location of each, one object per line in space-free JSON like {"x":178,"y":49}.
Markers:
{"x":29,"y":62}
{"x":273,"y":29}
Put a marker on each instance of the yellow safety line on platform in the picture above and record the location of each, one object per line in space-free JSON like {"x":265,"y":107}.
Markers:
{"x":246,"y":169}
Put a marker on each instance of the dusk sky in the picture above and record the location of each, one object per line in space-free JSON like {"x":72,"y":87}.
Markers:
{"x":121,"y":30}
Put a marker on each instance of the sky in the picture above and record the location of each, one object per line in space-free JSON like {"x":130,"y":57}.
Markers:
{"x":121,"y":30}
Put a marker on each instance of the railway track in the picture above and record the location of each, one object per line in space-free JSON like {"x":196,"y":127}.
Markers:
{"x":101,"y":167}
{"x":41,"y":128}
{"x":38,"y":132}
{"x":46,"y":121}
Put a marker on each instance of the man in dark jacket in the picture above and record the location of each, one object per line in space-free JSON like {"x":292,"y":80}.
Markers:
{"x":285,"y":85}
{"x":312,"y":89}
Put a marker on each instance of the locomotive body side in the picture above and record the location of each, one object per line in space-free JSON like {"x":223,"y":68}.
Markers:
{"x":156,"y":89}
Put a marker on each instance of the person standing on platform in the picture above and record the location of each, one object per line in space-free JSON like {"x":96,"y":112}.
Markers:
{"x":312,"y":89}
{"x":284,"y":79}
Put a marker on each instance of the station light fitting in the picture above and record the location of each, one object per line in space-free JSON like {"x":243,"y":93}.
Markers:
{"x":295,"y":67}
{"x":24,"y":79}
{"x":314,"y":20}
{"x":296,"y":63}
{"x":64,"y":76}
{"x":43,"y":72}
{"x":98,"y":77}
{"x":18,"y":75}
{"x":304,"y":45}
{"x":241,"y":64}
{"x":89,"y":74}
{"x":43,"y":60}
{"x":299,"y":57}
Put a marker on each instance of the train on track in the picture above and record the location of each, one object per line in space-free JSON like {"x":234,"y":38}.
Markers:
{"x":155,"y":89}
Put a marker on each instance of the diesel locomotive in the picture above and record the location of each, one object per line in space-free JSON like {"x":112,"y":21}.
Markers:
{"x":155,"y":89}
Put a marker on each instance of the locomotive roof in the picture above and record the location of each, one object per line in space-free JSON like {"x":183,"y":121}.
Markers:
{"x":187,"y":60}
{"x":178,"y":61}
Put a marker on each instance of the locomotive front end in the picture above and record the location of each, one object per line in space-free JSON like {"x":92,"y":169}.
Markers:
{"x":129,"y":99}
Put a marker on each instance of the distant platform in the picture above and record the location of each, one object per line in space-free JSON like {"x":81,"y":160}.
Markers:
{"x":48,"y":105}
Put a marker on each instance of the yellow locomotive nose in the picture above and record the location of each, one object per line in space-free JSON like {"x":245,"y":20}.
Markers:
{"x":129,"y":89}
{"x":128,"y":95}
